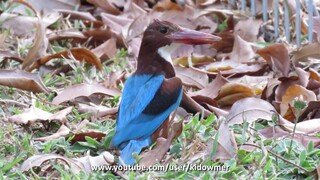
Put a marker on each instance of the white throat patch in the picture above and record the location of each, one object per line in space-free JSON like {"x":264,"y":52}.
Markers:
{"x":166,"y":51}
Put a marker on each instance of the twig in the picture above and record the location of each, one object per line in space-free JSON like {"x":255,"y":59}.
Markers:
{"x":282,"y":158}
{"x":13,"y":102}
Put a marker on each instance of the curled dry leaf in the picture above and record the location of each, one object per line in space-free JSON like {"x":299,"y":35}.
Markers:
{"x":163,"y":145}
{"x":295,"y":92}
{"x":312,"y":111}
{"x":229,"y":67}
{"x":196,"y":60}
{"x":277,"y":132}
{"x":258,"y":83}
{"x":40,"y":42}
{"x":59,"y":35}
{"x":192,"y":106}
{"x":86,"y":90}
{"x":227,"y":146}
{"x":283,"y":86}
{"x":76,"y":53}
{"x":248,"y":29}
{"x":22,"y":25}
{"x":39,"y":46}
{"x":105,"y":158}
{"x":97,"y":111}
{"x":210,"y":92}
{"x":33,"y":114}
{"x":61,"y":116}
{"x":269,"y":91}
{"x":84,"y":16}
{"x":77,"y":164}
{"x":232,"y":92}
{"x":309,"y":127}
{"x":191,"y":77}
{"x":303,"y":56}
{"x":105,"y":5}
{"x":22,"y":80}
{"x":113,"y":78}
{"x":218,"y":111}
{"x":242,"y":51}
{"x":277,"y":57}
{"x":166,"y":5}
{"x":225,"y":45}
{"x":249,"y":110}
{"x":62,"y":132}
{"x":48,"y":6}
{"x":82,"y":136}
{"x":30,"y":115}
{"x":314,"y":75}
{"x":106,"y":50}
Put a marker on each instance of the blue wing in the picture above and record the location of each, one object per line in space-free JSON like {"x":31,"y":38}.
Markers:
{"x":146,"y":102}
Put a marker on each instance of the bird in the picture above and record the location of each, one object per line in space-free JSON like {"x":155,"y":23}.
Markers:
{"x":152,"y":92}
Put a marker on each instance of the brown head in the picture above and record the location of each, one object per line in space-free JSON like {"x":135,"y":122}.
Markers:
{"x":159,"y":39}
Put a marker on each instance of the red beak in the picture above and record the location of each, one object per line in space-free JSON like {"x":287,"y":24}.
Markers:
{"x":188,"y":36}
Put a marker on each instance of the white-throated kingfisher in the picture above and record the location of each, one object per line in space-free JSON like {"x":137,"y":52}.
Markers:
{"x":153,"y":91}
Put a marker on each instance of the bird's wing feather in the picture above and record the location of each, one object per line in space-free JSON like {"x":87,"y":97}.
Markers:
{"x":139,"y":90}
{"x":166,"y":95}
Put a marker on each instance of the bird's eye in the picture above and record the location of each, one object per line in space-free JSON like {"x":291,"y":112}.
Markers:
{"x":163,"y":29}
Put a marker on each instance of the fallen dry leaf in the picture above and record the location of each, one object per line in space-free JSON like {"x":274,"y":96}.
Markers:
{"x":225,"y":45}
{"x":34,"y":114}
{"x":277,"y":132}
{"x":248,"y":29}
{"x":76,"y":53}
{"x":309,"y":127}
{"x":97,"y":111}
{"x":295,"y":92}
{"x":63,"y":131}
{"x":196,"y":60}
{"x":84,"y":16}
{"x":113,"y":79}
{"x":61,"y":116}
{"x":242,"y":51}
{"x":258,"y":83}
{"x":303,"y":55}
{"x":283,"y":86}
{"x":166,"y":5}
{"x":48,"y":6}
{"x":86,"y":90}
{"x":232,"y":92}
{"x":191,"y":77}
{"x":39,"y":46}
{"x":155,"y":155}
{"x":106,"y":50}
{"x":229,"y":67}
{"x":277,"y":57}
{"x":22,"y":80}
{"x":81,"y":136}
{"x":314,"y":75}
{"x":30,"y":115}
{"x":192,"y":106}
{"x":59,"y":35}
{"x":105,"y":5}
{"x":211,"y":91}
{"x":311,"y":111}
{"x":249,"y":110}
{"x":77,"y":164}
{"x":227,"y":146}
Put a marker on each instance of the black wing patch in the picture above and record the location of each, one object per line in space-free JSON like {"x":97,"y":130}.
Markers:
{"x":166,"y":95}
